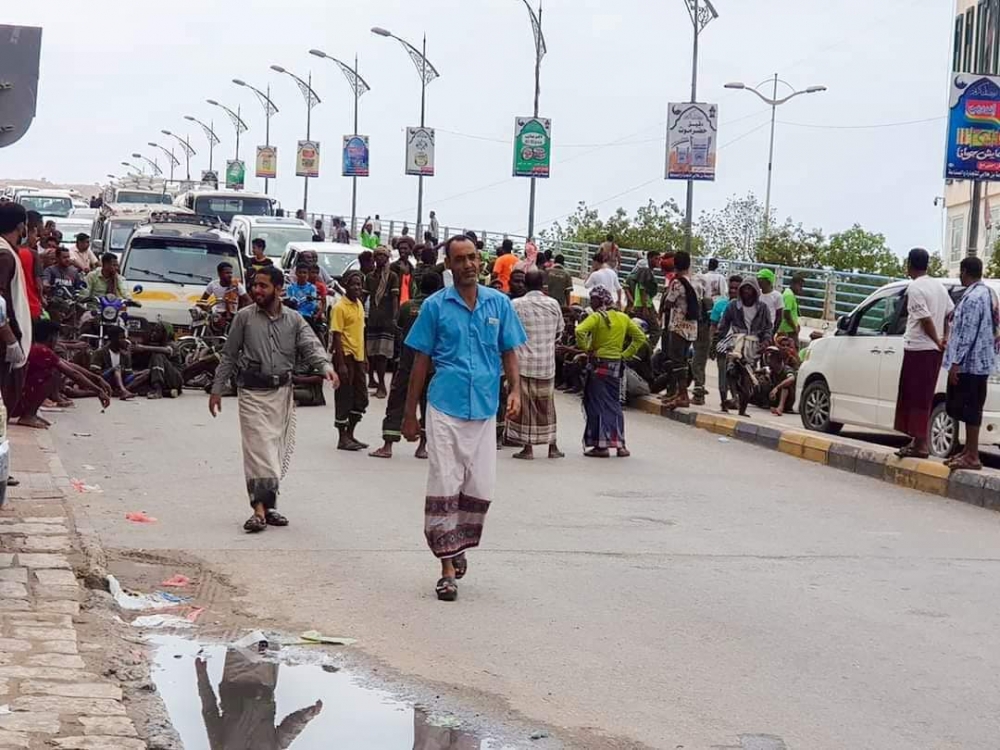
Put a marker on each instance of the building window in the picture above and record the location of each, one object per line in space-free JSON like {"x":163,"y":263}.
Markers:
{"x":956,"y":62}
{"x":957,"y":238}
{"x":992,"y":231}
{"x":970,"y":41}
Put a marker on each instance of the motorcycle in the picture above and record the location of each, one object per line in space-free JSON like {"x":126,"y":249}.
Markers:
{"x":743,"y":370}
{"x":209,"y":331}
{"x":112,"y":312}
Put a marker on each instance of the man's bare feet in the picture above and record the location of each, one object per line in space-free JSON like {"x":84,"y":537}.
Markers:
{"x":384,"y":452}
{"x":36,"y":422}
{"x":126,"y":395}
{"x":421,"y":452}
{"x":554,"y":452}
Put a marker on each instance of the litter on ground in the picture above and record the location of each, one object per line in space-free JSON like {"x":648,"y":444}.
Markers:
{"x":161,"y":621}
{"x":176,"y":581}
{"x":314,"y":636}
{"x":80,"y":486}
{"x":139,"y":516}
{"x":138,"y":602}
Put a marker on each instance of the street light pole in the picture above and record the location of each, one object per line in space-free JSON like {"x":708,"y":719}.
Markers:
{"x":359,"y":86}
{"x":235,"y":118}
{"x":213,"y":139}
{"x":540,"y":50}
{"x":269,"y":109}
{"x":156,"y":167}
{"x":171,"y":159}
{"x":427,"y":74}
{"x":311,"y":101}
{"x":185,"y":145}
{"x":773,"y":102}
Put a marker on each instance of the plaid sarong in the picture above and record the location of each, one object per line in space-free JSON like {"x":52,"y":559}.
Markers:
{"x":537,"y":423}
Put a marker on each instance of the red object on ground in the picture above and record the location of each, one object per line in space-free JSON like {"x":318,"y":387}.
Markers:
{"x":177,"y":581}
{"x":139,"y":517}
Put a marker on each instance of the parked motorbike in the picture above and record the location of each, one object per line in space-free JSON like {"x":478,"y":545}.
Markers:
{"x":209,"y":331}
{"x":112,"y":312}
{"x":742,"y":369}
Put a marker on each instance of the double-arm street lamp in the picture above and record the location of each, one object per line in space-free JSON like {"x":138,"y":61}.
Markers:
{"x":171,"y":159}
{"x":359,"y":87}
{"x":774,"y":102}
{"x":305,"y":86}
{"x":155,"y":167}
{"x":241,"y":127}
{"x":185,"y":145}
{"x":213,"y":139}
{"x":427,"y":74}
{"x":140,"y":171}
{"x":269,"y":110}
{"x":540,"y":50}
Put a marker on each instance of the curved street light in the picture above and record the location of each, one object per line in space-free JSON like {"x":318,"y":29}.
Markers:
{"x":427,"y":74}
{"x":269,"y":109}
{"x":359,"y":86}
{"x":210,"y":134}
{"x":773,"y":102}
{"x":169,"y":153}
{"x":156,"y":167}
{"x":185,"y":145}
{"x":139,"y":170}
{"x":540,"y":50}
{"x":241,"y":127}
{"x":312,"y":99}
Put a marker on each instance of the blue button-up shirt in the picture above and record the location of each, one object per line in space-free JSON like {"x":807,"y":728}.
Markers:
{"x":466,"y":346}
{"x":971,"y":339}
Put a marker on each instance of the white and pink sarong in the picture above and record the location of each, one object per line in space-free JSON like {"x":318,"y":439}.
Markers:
{"x":460,"y":483}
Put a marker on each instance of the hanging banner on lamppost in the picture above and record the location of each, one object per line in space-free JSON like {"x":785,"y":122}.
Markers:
{"x":267,"y":162}
{"x":236,"y":172}
{"x":692,"y":140}
{"x":973,"y":128}
{"x":532,"y":146}
{"x":20,"y":52}
{"x":307,"y":159}
{"x":420,"y":151}
{"x":210,"y":177}
{"x":355,"y":156}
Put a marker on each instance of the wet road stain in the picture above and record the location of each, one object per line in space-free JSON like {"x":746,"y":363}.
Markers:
{"x":226,"y":697}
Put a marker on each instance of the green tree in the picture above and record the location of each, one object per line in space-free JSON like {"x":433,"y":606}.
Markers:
{"x":734,"y":231}
{"x":655,"y":226}
{"x":859,"y":251}
{"x":791,"y":245}
{"x":936,"y":268}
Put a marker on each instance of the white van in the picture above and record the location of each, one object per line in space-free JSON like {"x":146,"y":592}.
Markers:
{"x":276,"y":231}
{"x":226,"y":204}
{"x":51,"y":204}
{"x":852,"y":378}
{"x":114,"y":223}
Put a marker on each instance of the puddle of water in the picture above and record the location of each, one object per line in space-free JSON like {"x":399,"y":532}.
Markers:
{"x":223,"y":698}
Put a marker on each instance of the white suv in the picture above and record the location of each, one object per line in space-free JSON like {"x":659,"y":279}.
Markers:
{"x":852,"y":378}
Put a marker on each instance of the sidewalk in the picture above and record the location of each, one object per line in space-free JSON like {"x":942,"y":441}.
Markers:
{"x":48,"y":698}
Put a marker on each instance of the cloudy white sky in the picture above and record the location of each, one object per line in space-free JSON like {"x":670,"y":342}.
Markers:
{"x":116,"y":72}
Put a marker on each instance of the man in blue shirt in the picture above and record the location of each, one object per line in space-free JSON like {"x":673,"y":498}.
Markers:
{"x":303,"y":292}
{"x":466,"y":331}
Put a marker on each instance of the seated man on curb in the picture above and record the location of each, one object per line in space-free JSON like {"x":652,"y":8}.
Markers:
{"x":45,"y":371}
{"x":114,"y":362}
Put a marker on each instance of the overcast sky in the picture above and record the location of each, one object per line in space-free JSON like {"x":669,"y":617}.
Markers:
{"x":116,"y":72}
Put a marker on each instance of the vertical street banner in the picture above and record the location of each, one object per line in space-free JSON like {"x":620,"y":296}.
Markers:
{"x":267,"y":162}
{"x":532,"y":146}
{"x":210,"y":177}
{"x":355,"y":156}
{"x":20,"y":52}
{"x":420,"y":151}
{"x":973,"y":128}
{"x":692,"y":141}
{"x":236,"y":172}
{"x":307,"y":159}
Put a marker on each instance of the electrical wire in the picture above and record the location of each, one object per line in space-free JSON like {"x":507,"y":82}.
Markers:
{"x":903,"y":123}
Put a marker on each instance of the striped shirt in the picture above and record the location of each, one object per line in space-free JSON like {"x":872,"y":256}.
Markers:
{"x":542,"y":319}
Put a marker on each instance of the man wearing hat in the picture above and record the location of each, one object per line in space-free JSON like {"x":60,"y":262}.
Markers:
{"x":771,"y":297}
{"x":82,"y":256}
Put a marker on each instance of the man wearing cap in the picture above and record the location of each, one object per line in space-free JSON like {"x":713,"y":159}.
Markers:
{"x":771,"y":297}
{"x":82,"y":256}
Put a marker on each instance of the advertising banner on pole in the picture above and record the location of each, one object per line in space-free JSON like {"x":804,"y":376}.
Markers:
{"x":236,"y":172}
{"x":532,"y":146}
{"x":973,"y":128}
{"x":210,"y":177}
{"x":307,"y":159}
{"x":355,"y":156}
{"x":692,"y":140}
{"x":420,"y":151}
{"x":267,"y":162}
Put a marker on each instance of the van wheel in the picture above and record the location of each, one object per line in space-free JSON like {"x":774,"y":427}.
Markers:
{"x":815,"y":409}
{"x":943,"y":432}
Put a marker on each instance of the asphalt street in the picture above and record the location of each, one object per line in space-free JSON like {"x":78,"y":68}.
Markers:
{"x":695,"y":593}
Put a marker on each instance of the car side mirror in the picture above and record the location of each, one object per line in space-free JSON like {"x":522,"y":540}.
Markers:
{"x":137,"y":289}
{"x":843,"y":323}
{"x":97,"y":244}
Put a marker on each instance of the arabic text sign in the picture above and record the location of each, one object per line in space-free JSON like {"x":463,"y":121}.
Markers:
{"x":267,"y":162}
{"x":355,"y":156}
{"x":307,"y":159}
{"x":420,"y":151}
{"x":692,"y":139}
{"x":973,"y":128}
{"x":235,"y":174}
{"x":532,"y":146}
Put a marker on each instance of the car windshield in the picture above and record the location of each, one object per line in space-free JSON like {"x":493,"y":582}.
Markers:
{"x":277,"y":238}
{"x":336,"y":263}
{"x":176,"y":261}
{"x":226,"y":208}
{"x":47,"y":205}
{"x":138,"y":196}
{"x":120,"y":232}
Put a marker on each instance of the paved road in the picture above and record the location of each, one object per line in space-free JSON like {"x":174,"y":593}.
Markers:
{"x":694,"y":593}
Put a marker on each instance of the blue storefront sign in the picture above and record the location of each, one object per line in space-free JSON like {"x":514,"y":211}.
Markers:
{"x":973,"y":128}
{"x":355,"y":156}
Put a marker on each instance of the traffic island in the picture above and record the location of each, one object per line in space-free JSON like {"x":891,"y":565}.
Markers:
{"x":878,"y":462}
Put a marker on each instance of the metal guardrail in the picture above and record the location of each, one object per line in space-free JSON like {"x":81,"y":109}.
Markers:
{"x":827,"y":294}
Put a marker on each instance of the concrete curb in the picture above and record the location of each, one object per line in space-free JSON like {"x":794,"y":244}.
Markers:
{"x":933,"y":477}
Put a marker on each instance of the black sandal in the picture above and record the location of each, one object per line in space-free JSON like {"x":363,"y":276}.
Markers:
{"x":446,"y":590}
{"x":255,"y":524}
{"x":907,"y":451}
{"x":461,"y":566}
{"x":274,"y":518}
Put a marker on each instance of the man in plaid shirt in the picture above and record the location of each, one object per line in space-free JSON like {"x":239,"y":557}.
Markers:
{"x":542,"y":319}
